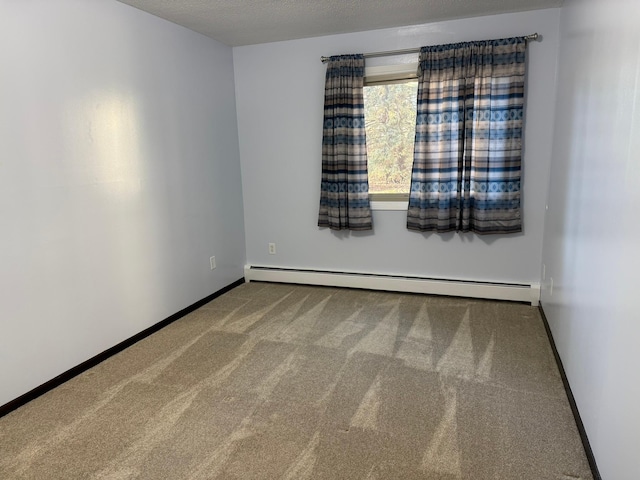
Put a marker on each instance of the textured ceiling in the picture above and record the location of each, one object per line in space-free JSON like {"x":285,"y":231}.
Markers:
{"x":246,"y":22}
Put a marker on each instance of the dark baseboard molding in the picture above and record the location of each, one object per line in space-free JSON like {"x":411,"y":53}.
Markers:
{"x":101,"y":357}
{"x":572,"y":401}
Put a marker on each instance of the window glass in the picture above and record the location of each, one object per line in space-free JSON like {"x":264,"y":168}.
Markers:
{"x":390,"y":118}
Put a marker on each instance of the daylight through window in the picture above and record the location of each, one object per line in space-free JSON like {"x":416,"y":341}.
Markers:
{"x":390,"y":119}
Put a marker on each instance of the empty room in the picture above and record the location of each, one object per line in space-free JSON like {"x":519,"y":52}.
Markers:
{"x":319,"y":239}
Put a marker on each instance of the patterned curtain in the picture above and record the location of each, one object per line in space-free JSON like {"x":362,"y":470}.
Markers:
{"x":467,"y":154}
{"x":344,"y":192}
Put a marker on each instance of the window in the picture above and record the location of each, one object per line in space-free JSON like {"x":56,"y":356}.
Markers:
{"x":390,"y":116}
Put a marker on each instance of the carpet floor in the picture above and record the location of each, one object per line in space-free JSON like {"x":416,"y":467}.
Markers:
{"x":274,"y":381}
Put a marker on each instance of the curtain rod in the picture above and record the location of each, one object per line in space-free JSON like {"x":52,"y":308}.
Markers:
{"x":533,"y":36}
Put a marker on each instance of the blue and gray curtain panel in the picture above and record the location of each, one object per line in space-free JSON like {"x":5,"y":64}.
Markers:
{"x":344,"y":192}
{"x":467,"y":156}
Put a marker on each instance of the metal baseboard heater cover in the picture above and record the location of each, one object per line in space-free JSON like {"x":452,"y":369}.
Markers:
{"x":529,"y":293}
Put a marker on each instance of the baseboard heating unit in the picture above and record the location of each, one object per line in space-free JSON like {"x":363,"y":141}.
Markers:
{"x":529,"y":293}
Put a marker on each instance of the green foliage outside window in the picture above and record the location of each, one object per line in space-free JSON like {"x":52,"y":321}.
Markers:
{"x":390,"y":119}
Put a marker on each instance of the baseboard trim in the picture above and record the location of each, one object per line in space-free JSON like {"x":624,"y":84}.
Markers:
{"x":396,"y":283}
{"x":101,"y":357}
{"x":572,"y":401}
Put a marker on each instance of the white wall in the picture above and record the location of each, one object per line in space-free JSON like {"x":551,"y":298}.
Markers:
{"x":119,"y":178}
{"x":591,"y":242}
{"x":279,"y":95}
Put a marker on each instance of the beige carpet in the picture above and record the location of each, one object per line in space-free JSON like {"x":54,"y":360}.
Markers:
{"x":293,"y":382}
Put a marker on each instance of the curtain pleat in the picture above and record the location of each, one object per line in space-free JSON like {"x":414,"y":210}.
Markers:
{"x":466,"y":173}
{"x":344,"y":191}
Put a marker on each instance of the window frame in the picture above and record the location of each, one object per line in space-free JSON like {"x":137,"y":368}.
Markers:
{"x":386,"y":75}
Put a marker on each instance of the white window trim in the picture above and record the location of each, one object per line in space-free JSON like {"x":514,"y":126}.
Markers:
{"x":385,"y":70}
{"x":394,"y":205}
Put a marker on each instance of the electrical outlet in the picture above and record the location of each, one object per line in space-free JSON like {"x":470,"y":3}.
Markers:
{"x":544,"y":271}
{"x":551,"y":287}
{"x":272,"y":249}
{"x":212,"y":262}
